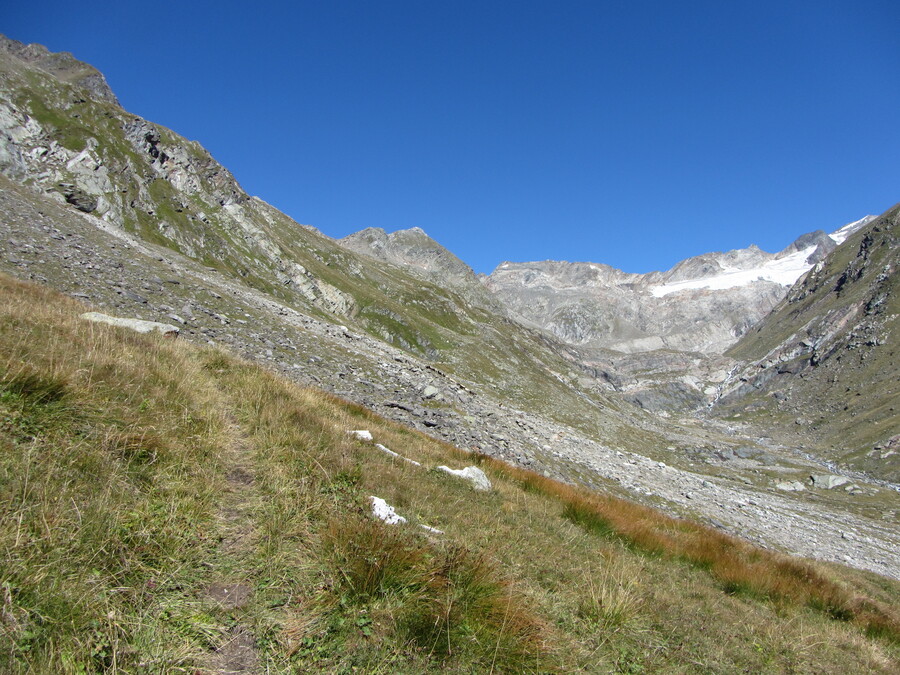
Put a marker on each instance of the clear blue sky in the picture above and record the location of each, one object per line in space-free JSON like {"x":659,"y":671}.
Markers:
{"x":630,"y":133}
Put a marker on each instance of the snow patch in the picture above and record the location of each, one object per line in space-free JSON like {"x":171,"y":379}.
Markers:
{"x":390,"y":452}
{"x":840,"y":236}
{"x":362,"y":434}
{"x":384,"y":511}
{"x":784,"y":271}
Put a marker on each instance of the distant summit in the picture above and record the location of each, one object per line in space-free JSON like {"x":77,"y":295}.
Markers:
{"x":411,"y":248}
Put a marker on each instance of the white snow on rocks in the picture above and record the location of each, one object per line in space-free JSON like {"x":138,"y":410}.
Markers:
{"x":841,"y":235}
{"x":472,"y":474}
{"x":784,"y":271}
{"x":780,"y":270}
{"x":362,"y":434}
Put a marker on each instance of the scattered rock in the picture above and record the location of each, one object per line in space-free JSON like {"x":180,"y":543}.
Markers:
{"x":139,"y":325}
{"x":828,"y":481}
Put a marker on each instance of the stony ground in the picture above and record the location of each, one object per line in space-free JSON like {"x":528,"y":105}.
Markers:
{"x":710,"y":472}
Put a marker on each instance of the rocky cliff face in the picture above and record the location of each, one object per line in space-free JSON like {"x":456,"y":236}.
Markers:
{"x":63,"y":134}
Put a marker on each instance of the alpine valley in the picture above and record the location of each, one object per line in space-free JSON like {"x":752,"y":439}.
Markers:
{"x":752,"y":393}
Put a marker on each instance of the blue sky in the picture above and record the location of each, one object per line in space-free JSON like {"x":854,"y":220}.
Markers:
{"x":629,"y":133}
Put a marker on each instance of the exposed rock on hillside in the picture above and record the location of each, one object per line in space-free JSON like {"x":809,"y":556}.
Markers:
{"x":61,"y":65}
{"x":827,"y":355}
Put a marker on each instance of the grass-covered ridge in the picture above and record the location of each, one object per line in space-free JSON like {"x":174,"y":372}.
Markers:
{"x":159,"y":501}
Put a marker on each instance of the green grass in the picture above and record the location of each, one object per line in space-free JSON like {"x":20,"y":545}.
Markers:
{"x":138,"y":473}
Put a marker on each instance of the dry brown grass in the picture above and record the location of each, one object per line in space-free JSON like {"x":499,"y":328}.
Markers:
{"x":738,"y":565}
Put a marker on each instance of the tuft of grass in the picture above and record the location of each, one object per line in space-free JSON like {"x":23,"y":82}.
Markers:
{"x":582,"y":514}
{"x":374,"y":560}
{"x":447,"y":601}
{"x":612,"y":598}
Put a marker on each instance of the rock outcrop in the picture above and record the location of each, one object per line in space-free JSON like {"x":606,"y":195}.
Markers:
{"x":137,"y":325}
{"x":413,"y":249}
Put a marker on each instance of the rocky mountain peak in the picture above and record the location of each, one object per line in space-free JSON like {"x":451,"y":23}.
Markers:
{"x":411,"y":248}
{"x":61,"y":65}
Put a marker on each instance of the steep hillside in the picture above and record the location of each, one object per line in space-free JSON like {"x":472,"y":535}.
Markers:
{"x":826,"y":360}
{"x":170,"y":508}
{"x":65,"y":144}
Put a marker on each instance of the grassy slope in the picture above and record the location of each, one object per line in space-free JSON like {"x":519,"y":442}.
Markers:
{"x":140,"y":477}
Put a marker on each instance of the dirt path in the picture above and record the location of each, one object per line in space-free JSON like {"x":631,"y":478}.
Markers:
{"x":230,"y":590}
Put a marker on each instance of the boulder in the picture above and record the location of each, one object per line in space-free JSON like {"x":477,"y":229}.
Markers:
{"x":361,"y":434}
{"x":139,"y":325}
{"x":78,"y":198}
{"x":828,"y":481}
{"x":791,"y":486}
{"x":472,"y":474}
